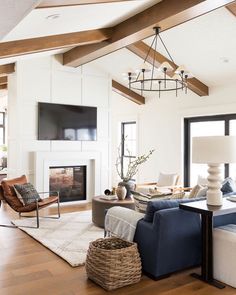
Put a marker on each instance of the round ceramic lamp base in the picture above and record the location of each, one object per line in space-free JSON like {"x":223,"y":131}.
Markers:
{"x":214,"y":194}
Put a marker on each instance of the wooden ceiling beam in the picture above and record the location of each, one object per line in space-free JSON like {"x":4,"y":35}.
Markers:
{"x":7,"y":69}
{"x":232,"y":8}
{"x":127,"y":93}
{"x":3,"y":86}
{"x":141,"y":49}
{"x":61,"y":3}
{"x":3,"y":80}
{"x":79,"y":52}
{"x":27,"y":46}
{"x":166,"y":14}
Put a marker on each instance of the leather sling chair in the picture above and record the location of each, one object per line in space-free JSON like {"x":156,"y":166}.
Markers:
{"x":8,"y":194}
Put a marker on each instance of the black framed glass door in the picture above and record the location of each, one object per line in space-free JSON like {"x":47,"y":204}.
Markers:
{"x":206,"y":126}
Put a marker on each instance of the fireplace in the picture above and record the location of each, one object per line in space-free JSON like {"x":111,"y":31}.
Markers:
{"x":70,"y":181}
{"x":91,"y":159}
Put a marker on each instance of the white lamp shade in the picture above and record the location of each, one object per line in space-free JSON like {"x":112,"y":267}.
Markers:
{"x":176,"y":77}
{"x":214,"y":149}
{"x":144,"y":66}
{"x":166,"y":65}
{"x":181,"y":69}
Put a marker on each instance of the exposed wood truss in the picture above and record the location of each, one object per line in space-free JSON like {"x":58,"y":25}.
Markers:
{"x":4,"y":71}
{"x":141,"y":49}
{"x":232,"y":8}
{"x":126,"y":92}
{"x":3,"y":80}
{"x":27,"y":46}
{"x":4,"y":86}
{"x":7,"y":69}
{"x":61,"y":3}
{"x":166,"y":14}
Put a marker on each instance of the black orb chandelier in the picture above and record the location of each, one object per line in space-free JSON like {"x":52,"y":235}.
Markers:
{"x":164,"y":78}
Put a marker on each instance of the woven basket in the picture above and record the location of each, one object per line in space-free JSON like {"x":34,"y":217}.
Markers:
{"x":113,"y":263}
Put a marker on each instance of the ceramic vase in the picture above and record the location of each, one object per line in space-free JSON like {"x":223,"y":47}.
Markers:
{"x":121,"y":192}
{"x":129,"y":185}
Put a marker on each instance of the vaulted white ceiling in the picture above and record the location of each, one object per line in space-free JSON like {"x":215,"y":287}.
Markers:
{"x":76,"y":18}
{"x":12,"y":12}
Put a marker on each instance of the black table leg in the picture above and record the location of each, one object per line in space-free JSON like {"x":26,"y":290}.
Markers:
{"x":207,"y":253}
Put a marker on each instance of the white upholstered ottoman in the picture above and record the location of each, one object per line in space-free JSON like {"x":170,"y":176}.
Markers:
{"x":224,"y":251}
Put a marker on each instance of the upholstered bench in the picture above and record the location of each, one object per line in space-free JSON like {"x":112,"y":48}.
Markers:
{"x":224,"y":249}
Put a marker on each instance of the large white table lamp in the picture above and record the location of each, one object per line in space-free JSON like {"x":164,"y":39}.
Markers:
{"x":214,"y":150}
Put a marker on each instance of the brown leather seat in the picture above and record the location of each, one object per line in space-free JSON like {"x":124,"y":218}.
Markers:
{"x":7,"y":192}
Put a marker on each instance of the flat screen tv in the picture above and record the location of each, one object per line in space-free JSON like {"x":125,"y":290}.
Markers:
{"x":66,"y":122}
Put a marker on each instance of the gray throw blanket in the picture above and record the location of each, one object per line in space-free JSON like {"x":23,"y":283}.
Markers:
{"x":121,"y":222}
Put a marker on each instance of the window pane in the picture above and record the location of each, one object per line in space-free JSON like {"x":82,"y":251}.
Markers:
{"x":232,"y":127}
{"x":129,"y":147}
{"x":69,"y":134}
{"x":1,"y":136}
{"x":208,"y":128}
{"x":232,"y":131}
{"x":130,"y":139}
{"x":130,"y":131}
{"x":125,"y":165}
{"x":1,"y":118}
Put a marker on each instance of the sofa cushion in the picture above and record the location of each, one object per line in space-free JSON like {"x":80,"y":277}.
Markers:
{"x":9,"y":192}
{"x":202,"y":192}
{"x":194,"y":191}
{"x":228,"y":186}
{"x":154,"y":206}
{"x":201,"y":180}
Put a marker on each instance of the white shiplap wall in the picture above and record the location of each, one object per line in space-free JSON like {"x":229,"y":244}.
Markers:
{"x":46,"y":80}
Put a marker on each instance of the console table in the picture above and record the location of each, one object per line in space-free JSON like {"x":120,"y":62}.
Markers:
{"x":99,"y":206}
{"x":207,"y":212}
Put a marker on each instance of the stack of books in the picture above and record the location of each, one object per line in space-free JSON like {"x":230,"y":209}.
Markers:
{"x":109,"y":197}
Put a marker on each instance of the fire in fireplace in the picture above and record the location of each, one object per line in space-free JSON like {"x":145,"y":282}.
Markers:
{"x":70,"y":181}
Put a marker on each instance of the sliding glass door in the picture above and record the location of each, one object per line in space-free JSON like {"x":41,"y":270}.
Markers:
{"x":205,"y":126}
{"x":232,"y":131}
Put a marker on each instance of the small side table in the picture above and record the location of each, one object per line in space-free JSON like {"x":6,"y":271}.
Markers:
{"x":207,"y":213}
{"x":99,"y":206}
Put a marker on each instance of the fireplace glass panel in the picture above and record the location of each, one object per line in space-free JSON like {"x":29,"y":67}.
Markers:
{"x":69,"y":181}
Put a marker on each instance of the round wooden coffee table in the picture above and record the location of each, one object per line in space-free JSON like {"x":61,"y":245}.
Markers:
{"x":99,"y":206}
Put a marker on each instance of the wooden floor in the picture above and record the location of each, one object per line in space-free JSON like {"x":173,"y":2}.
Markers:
{"x":28,"y":268}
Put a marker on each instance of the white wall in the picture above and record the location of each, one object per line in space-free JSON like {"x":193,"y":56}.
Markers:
{"x":160,"y":126}
{"x":46,"y":80}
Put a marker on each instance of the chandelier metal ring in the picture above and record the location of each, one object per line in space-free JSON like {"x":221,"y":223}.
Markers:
{"x":149,"y":75}
{"x":180,"y":84}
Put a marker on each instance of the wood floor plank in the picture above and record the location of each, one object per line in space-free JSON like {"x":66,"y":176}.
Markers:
{"x":28,"y":268}
{"x":21,"y":279}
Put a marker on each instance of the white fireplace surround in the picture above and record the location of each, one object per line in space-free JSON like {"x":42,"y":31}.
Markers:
{"x":45,"y":160}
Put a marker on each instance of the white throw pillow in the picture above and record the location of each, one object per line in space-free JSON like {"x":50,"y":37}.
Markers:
{"x":194,"y":191}
{"x":202,"y":180}
{"x":167,"y":179}
{"x":202,"y":192}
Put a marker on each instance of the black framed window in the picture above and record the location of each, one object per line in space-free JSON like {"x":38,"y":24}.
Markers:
{"x":206,"y":126}
{"x":128,"y":145}
{"x":2,"y":128}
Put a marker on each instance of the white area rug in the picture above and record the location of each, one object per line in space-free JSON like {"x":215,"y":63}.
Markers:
{"x":68,"y":237}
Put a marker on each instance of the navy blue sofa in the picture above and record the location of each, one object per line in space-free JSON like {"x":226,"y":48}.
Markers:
{"x":169,"y":239}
